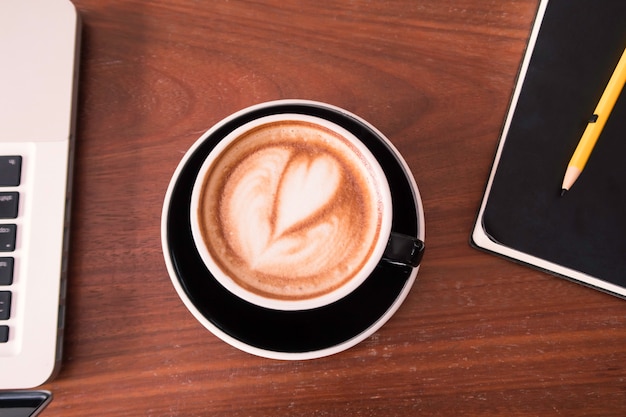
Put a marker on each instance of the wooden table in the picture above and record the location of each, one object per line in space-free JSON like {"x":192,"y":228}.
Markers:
{"x":477,"y":335}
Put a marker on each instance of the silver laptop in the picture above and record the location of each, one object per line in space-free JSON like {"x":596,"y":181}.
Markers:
{"x":38,"y":73}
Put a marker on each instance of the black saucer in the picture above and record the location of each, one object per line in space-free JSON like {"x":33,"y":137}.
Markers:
{"x":289,"y":331}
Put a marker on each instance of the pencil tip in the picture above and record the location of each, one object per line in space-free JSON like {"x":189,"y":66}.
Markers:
{"x":563,"y":191}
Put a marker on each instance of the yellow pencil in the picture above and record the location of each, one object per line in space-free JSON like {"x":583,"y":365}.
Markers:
{"x":596,"y":124}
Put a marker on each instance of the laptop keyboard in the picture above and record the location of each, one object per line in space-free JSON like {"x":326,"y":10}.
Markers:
{"x":10,"y":178}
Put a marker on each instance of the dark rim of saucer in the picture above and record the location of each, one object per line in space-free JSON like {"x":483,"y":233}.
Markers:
{"x":290,"y":331}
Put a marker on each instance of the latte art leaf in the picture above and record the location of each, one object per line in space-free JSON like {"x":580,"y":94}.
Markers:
{"x":248,"y":201}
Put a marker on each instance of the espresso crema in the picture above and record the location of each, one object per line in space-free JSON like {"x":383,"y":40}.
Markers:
{"x":290,"y":210}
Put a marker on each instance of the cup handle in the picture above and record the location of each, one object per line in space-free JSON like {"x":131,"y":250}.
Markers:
{"x":403,"y":250}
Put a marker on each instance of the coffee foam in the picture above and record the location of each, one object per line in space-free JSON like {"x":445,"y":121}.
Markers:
{"x":290,"y":211}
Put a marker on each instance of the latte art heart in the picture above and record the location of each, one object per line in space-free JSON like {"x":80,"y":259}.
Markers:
{"x":290,"y":211}
{"x":280,"y":198}
{"x":307,"y":185}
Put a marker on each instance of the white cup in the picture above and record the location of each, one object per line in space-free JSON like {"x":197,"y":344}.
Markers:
{"x":351,"y":146}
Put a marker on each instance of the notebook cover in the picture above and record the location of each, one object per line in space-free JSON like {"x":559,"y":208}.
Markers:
{"x":573,"y":50}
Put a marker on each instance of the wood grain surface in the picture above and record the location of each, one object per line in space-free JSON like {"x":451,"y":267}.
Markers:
{"x":477,"y":335}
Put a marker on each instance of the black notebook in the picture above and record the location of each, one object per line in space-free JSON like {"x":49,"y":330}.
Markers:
{"x":573,"y":50}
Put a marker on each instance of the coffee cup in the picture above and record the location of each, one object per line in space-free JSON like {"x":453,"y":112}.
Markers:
{"x":293,"y":212}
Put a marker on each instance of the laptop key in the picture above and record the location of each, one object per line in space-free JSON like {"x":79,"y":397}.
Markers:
{"x":10,"y":171}
{"x":6,"y":270}
{"x":8,"y":205}
{"x":5,"y":305}
{"x":4,"y":334}
{"x":7,"y":237}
